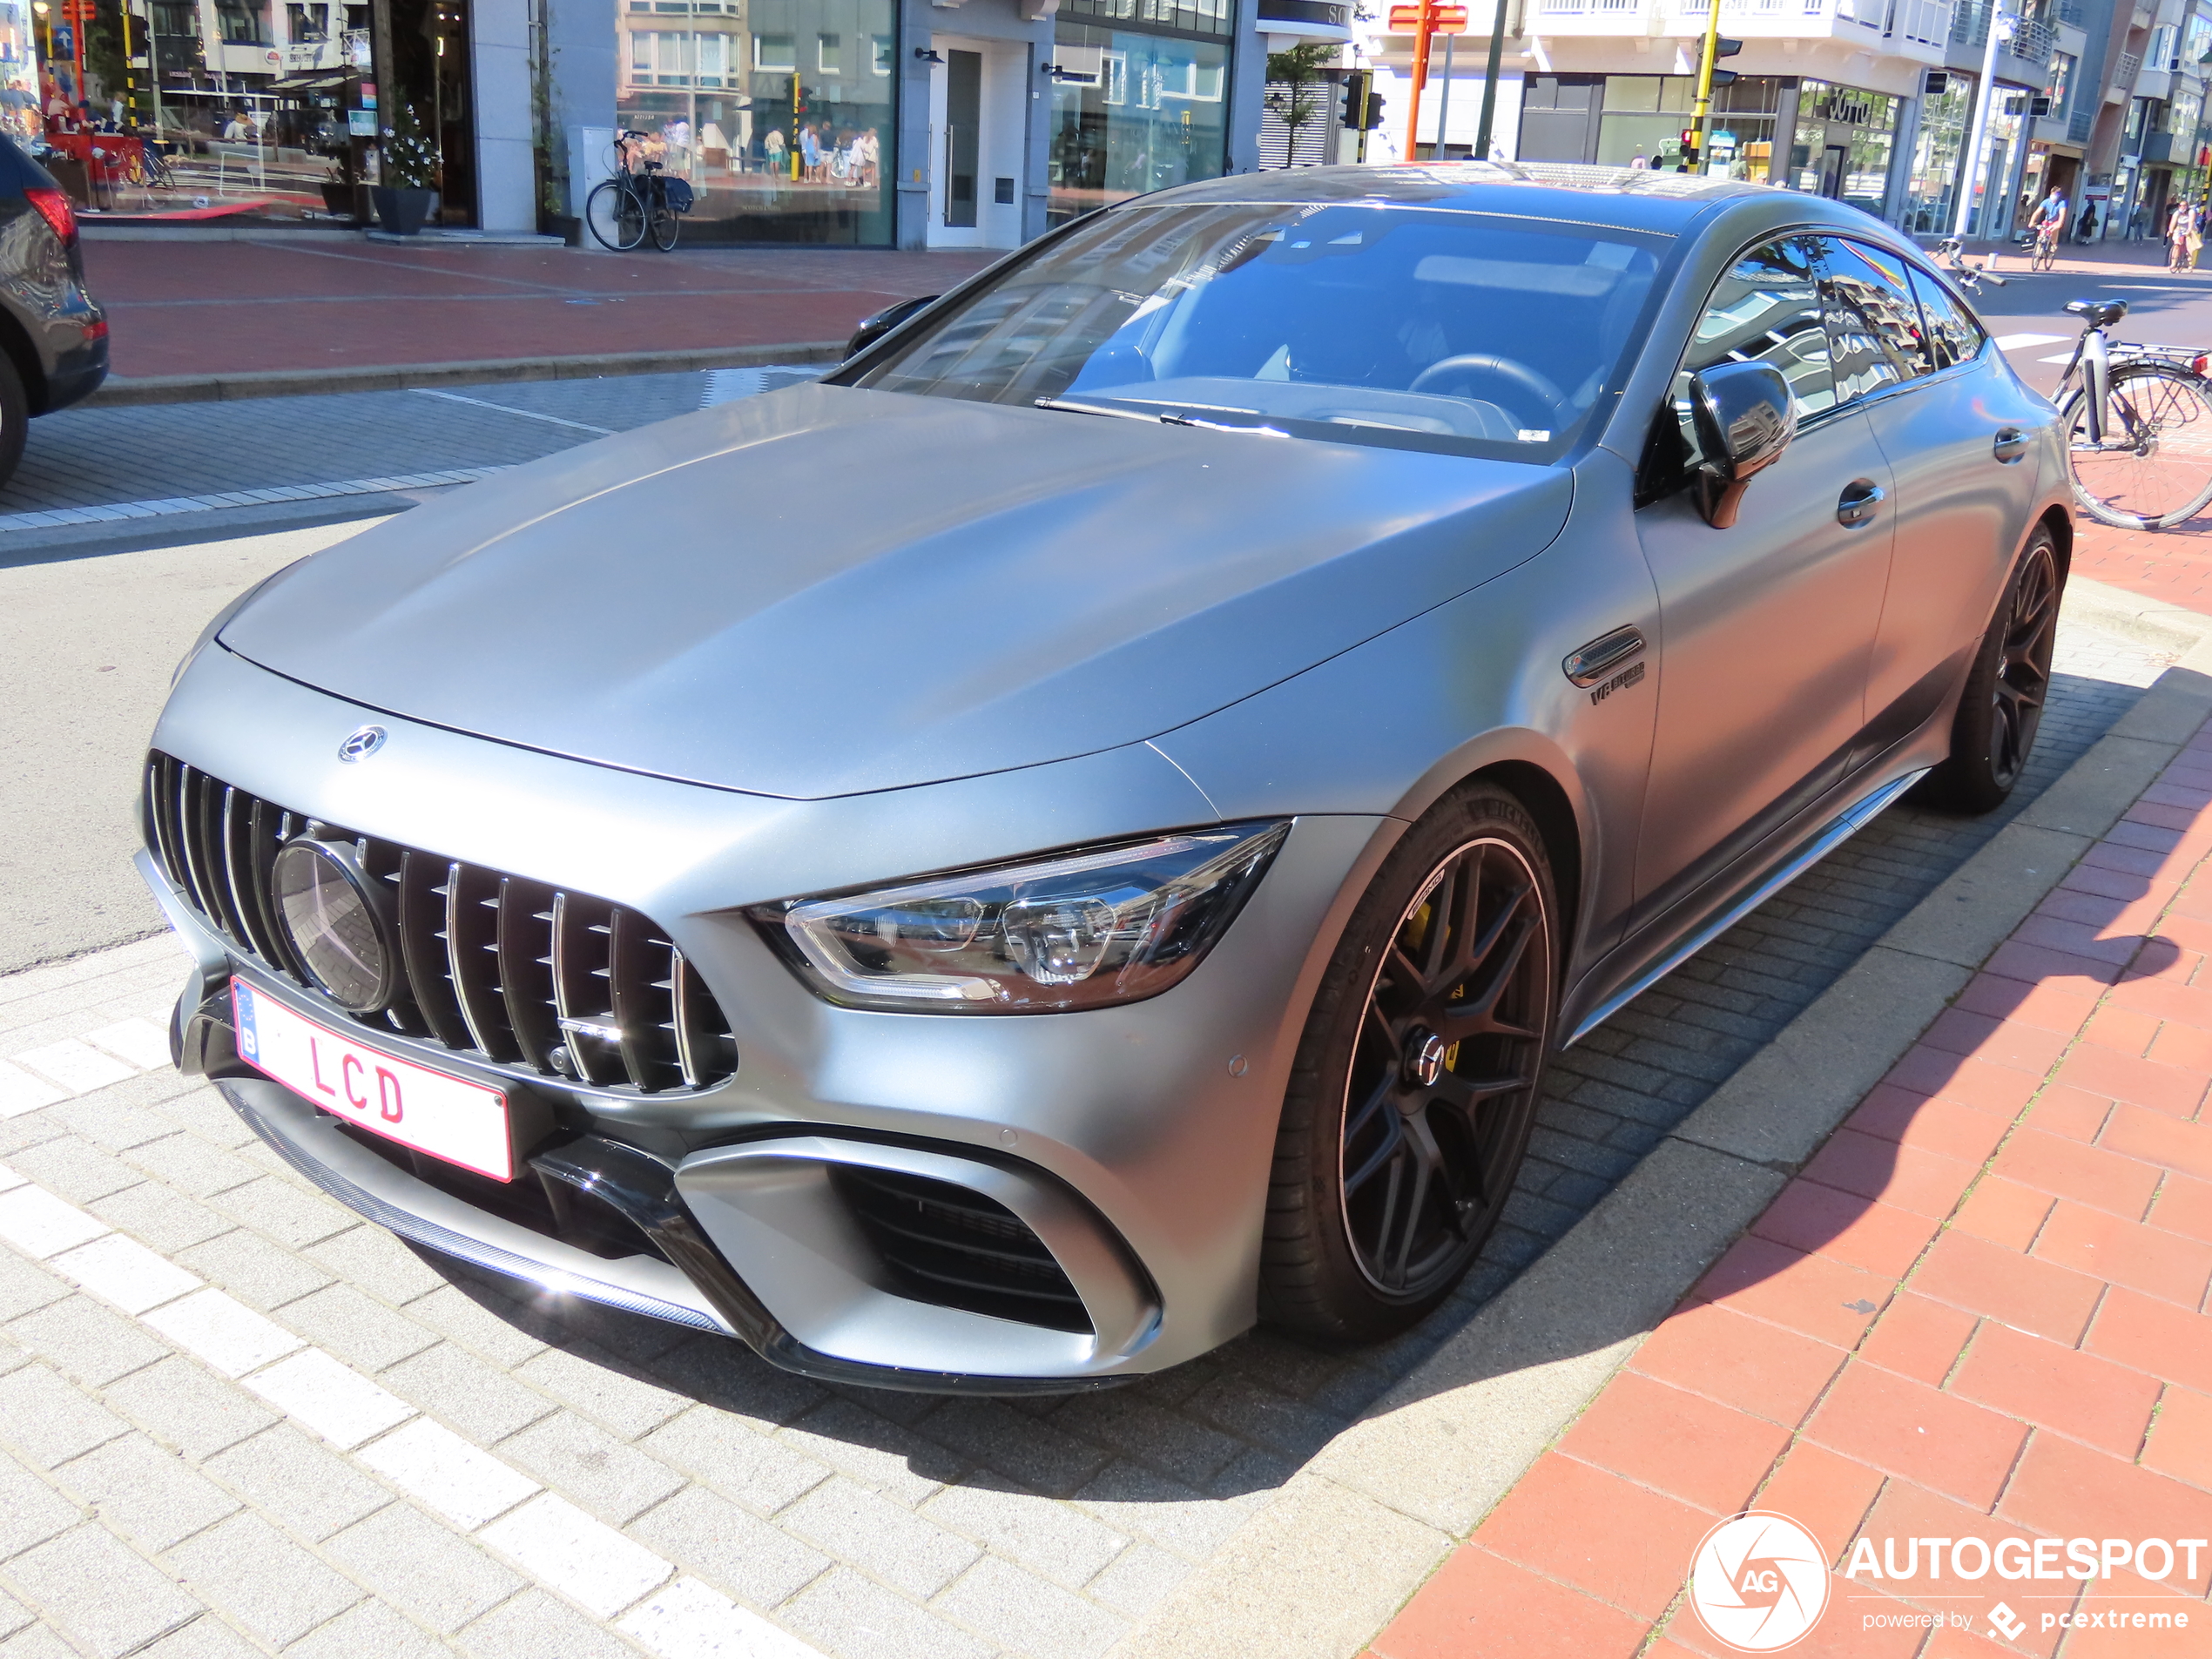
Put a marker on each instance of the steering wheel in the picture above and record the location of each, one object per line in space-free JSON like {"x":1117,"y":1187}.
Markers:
{"x":1473,"y":363}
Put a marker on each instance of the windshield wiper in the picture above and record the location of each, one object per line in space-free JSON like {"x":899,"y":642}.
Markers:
{"x":1164,"y":417}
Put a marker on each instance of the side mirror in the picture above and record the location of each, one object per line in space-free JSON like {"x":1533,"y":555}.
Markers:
{"x":873,"y":328}
{"x":1744,"y":415}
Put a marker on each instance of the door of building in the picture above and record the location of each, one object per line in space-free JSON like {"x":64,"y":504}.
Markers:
{"x":976,"y":122}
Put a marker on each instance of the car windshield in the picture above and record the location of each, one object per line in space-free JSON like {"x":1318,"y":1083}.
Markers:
{"x":1417,"y":327}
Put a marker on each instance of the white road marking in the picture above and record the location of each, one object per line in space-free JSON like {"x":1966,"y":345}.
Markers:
{"x":509,"y":408}
{"x":2063,"y":357}
{"x":140,"y":1044}
{"x":2014,"y":342}
{"x":55,"y":517}
{"x":75,"y":1066}
{"x":727,"y":384}
{"x":480,"y":1495}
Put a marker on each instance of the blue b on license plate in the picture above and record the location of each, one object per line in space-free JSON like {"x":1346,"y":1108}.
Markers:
{"x":460,"y":1121}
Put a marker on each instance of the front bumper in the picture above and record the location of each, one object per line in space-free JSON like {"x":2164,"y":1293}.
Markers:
{"x":1134,"y":1142}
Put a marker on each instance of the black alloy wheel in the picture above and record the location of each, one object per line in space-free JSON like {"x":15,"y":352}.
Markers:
{"x":2006,"y":689}
{"x":1419,"y":1077}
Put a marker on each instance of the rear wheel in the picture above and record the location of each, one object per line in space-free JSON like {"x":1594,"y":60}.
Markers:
{"x":662,"y":223}
{"x":1999,"y":712}
{"x":2155,"y":466}
{"x":1417,"y":1078}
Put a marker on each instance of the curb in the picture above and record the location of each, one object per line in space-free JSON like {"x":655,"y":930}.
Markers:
{"x":296,"y":382}
{"x":1351,"y":1537}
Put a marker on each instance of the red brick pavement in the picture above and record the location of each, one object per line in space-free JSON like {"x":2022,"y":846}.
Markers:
{"x":1979,"y":1311}
{"x":204,"y":309}
{"x":2171,"y":566}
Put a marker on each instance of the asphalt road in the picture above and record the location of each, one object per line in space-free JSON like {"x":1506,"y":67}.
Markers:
{"x":2163,"y":309}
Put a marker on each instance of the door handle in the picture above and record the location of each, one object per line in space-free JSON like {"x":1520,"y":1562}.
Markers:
{"x":2011,"y":445}
{"x":1857,"y":505}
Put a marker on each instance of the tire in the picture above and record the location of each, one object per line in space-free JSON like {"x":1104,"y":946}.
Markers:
{"x":15,"y":418}
{"x":2165,"y":477}
{"x":662,"y":224}
{"x":615,"y":216}
{"x":1398,"y":1089}
{"x":1993,"y":733}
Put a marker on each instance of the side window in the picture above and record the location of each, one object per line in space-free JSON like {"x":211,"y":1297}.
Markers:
{"x":1765,"y":308}
{"x":1953,"y":335}
{"x":1873,"y":324}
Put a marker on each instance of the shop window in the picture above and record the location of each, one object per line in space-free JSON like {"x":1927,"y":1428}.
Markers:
{"x":774,"y":52}
{"x":245,"y":24}
{"x":306,"y":22}
{"x":1152,"y":117}
{"x":176,"y":17}
{"x":886,"y":53}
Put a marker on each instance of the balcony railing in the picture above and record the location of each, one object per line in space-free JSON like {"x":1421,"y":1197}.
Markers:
{"x":1926,"y":22}
{"x":2131,"y":64}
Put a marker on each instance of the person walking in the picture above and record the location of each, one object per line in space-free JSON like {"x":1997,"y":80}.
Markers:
{"x":2181,"y":230}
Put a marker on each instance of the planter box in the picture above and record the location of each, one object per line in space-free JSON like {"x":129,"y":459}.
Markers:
{"x":402,"y":212}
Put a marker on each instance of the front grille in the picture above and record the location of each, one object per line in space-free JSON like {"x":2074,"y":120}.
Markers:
{"x":524,"y":975}
{"x":953,"y":1247}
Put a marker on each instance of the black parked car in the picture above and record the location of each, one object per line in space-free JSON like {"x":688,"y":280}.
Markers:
{"x":53,"y":337}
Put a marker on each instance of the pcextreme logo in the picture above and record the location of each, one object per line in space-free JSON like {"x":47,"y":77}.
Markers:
{"x":1759,"y":1582}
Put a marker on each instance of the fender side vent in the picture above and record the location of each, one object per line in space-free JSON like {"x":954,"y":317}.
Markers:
{"x":953,"y":1247}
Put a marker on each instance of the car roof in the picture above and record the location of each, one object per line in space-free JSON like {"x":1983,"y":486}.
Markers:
{"x":1626,"y":197}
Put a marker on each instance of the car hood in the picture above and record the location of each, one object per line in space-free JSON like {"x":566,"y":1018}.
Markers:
{"x":825,"y":590}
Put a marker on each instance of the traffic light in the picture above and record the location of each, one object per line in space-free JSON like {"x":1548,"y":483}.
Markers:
{"x":2039,"y":106}
{"x":1723,"y":47}
{"x":1363,"y":105}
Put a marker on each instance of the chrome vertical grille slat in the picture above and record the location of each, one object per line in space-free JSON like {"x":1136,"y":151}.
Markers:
{"x":493,"y":964}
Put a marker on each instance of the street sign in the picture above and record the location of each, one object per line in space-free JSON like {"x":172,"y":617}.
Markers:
{"x":1442,"y":20}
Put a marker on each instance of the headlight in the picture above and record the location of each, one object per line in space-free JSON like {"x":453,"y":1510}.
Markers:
{"x":1075,"y":931}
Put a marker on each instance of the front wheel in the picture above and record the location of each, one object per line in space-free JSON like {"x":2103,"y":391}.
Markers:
{"x":1417,"y":1078}
{"x":2155,"y":468}
{"x":1999,"y":712}
{"x":615,"y":216}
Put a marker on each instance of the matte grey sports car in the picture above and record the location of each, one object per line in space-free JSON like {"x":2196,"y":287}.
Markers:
{"x":1079,"y":831}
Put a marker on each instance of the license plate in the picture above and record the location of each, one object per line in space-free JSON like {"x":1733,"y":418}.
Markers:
{"x":462,"y":1122}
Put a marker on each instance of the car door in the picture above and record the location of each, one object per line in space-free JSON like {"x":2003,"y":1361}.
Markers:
{"x":1767,"y":624}
{"x":1951,"y":425}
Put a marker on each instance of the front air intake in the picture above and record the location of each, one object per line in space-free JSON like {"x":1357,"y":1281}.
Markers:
{"x":529,"y":977}
{"x":956,"y":1248}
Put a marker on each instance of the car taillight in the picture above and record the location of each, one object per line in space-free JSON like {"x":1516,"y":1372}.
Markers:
{"x":53,"y":206}
{"x":96,"y":330}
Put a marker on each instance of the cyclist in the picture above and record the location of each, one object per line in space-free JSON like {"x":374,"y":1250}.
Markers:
{"x":2049,"y":224}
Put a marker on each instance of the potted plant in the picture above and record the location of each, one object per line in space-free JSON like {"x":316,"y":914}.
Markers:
{"x":405,"y":198}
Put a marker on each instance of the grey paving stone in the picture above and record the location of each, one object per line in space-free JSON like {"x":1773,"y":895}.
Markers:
{"x":585,"y":1462}
{"x":427,"y":1571}
{"x":849,"y":1615}
{"x":1136,"y":1580}
{"x":1127,"y":1421}
{"x":725,"y":1374}
{"x":997,"y":1436}
{"x":1056,"y":1540}
{"x":879,"y":1455}
{"x":13,"y":1616}
{"x":535,"y":1626}
{"x":113,"y":1125}
{"x":592,"y":1381}
{"x":273,"y":1206}
{"x":1019,"y":1613}
{"x":735,"y":1459}
{"x":159,"y":1217}
{"x":190,"y":1165}
{"x":72,"y":1168}
{"x":364,"y":1333}
{"x":104,"y":1599}
{"x":377,"y":1261}
{"x":297,"y":1482}
{"x":886,"y":1539}
{"x":46,"y":1420}
{"x":206,"y":1637}
{"x":263,"y":1583}
{"x":478,"y":1399}
{"x":86,"y":1342}
{"x":744,"y":1557}
{"x":256,"y":1271}
{"x":30,"y":1511}
{"x":1144,"y":1503}
{"x":181,"y":1405}
{"x":37,"y":1642}
{"x":452,"y":1312}
{"x":145,"y":1493}
{"x":25,"y":1285}
{"x":207,"y":1115}
{"x":371,"y":1630}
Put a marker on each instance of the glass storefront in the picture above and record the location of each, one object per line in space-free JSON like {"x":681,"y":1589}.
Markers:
{"x":1843,"y":144}
{"x":1135,"y":108}
{"x":1932,"y":186}
{"x":781,"y":114}
{"x":1638,"y":120}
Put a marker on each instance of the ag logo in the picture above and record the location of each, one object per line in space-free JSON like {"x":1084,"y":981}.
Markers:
{"x":1759,"y":1582}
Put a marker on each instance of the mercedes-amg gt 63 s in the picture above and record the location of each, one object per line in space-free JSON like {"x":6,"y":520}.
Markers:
{"x":1077,"y":832}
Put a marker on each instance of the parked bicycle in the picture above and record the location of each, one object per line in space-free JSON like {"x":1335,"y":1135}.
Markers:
{"x":2139,"y":424}
{"x":640,"y":200}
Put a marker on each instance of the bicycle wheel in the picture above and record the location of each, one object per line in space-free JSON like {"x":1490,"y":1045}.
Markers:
{"x":2154,"y":469}
{"x":615,"y":214}
{"x":662,"y":223}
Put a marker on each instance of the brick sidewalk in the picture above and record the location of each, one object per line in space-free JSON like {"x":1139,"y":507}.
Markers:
{"x":2172,"y":567}
{"x":212,"y":309}
{"x":1979,"y":1311}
